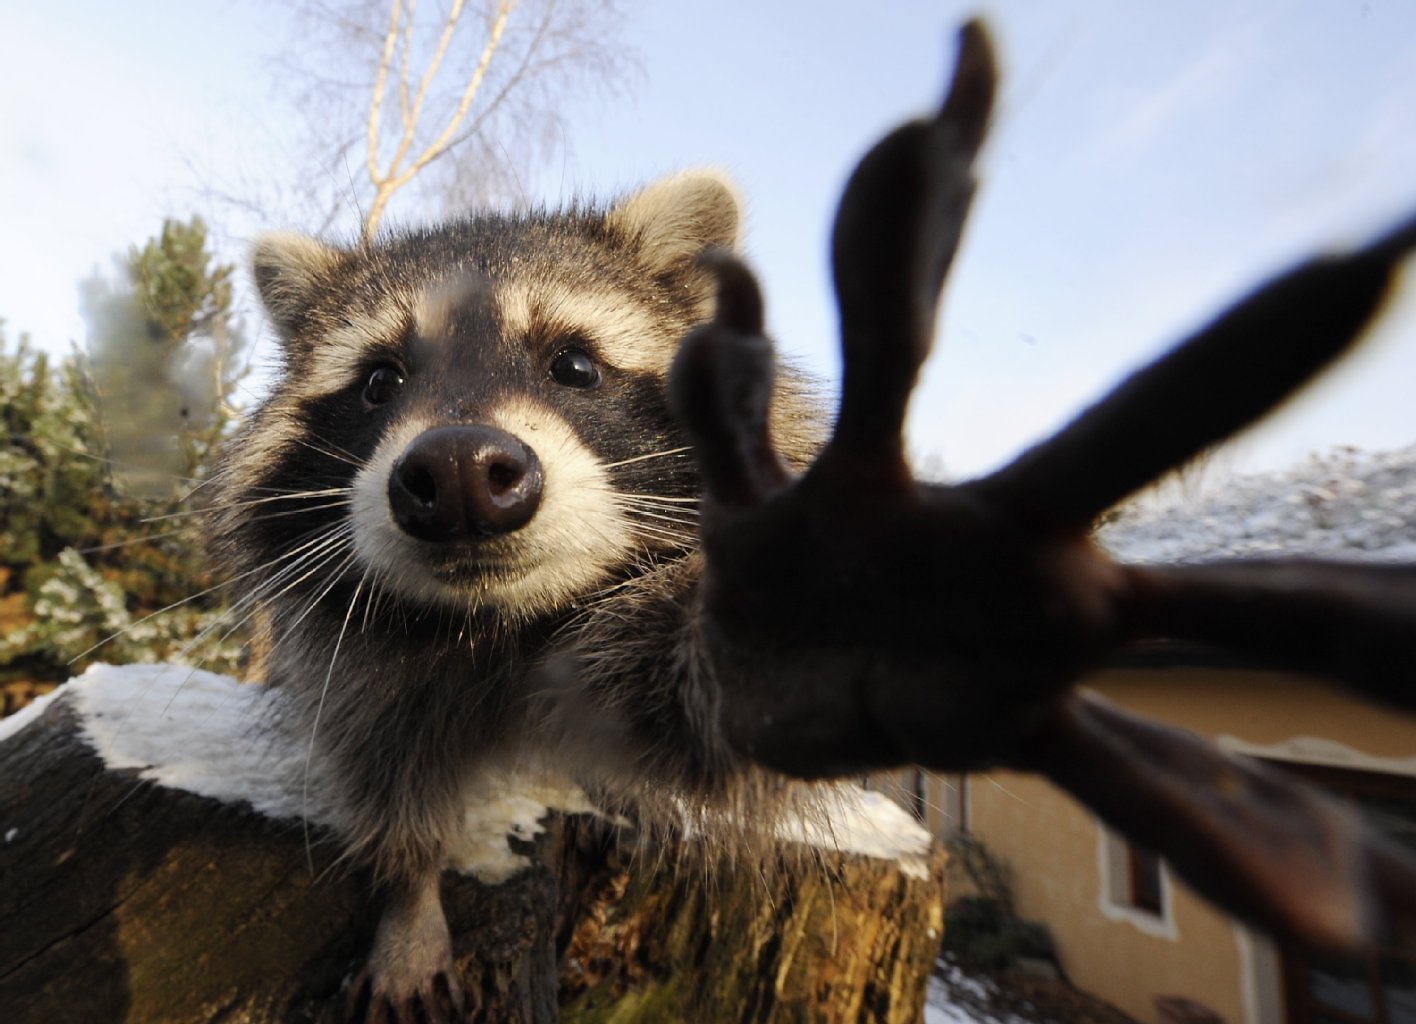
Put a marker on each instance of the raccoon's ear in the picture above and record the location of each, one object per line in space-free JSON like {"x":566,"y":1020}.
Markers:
{"x":290,"y":270}
{"x":670,"y":222}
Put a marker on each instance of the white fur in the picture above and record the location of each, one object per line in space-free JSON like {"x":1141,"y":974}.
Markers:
{"x":342,"y":351}
{"x":674,"y":219}
{"x":289,"y":268}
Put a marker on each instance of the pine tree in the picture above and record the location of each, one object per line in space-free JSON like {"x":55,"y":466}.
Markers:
{"x":101,"y":556}
{"x":167,"y":356}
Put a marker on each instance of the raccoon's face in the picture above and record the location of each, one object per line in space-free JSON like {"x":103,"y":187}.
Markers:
{"x":483,"y":407}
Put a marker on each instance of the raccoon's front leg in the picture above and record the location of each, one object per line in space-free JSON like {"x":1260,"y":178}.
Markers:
{"x":410,"y":973}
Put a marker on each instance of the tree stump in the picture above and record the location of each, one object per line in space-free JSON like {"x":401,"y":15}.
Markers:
{"x":126,"y":897}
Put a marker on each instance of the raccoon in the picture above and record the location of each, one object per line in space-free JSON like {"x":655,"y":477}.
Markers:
{"x":466,"y":511}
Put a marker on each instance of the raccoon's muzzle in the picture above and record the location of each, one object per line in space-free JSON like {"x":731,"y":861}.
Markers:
{"x":464,"y":482}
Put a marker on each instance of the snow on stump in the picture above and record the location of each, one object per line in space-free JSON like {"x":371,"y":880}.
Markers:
{"x":163,"y":857}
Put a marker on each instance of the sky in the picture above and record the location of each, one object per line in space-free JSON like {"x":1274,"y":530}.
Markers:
{"x":1148,"y":164}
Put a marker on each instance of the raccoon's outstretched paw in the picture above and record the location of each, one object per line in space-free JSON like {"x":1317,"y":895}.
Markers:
{"x":410,"y":975}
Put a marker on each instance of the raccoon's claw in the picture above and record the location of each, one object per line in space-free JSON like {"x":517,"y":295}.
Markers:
{"x":411,"y":975}
{"x":895,"y":235}
{"x":438,"y":999}
{"x":1245,"y":363}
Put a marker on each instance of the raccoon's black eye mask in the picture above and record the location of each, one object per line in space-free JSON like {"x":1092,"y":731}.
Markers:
{"x":860,"y":619}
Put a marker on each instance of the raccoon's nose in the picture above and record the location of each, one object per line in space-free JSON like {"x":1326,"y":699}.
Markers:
{"x":463,"y":482}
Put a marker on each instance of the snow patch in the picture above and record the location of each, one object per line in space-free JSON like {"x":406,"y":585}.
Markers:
{"x":954,"y":996}
{"x":210,"y":735}
{"x":196,"y":731}
{"x":1345,"y":504}
{"x":866,"y":822}
{"x":207,"y":734}
{"x":502,"y":806}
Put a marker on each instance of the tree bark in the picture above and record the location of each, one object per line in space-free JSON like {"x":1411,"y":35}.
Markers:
{"x":123,"y":900}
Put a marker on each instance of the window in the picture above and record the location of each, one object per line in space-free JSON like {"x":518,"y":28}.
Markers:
{"x":1135,"y":887}
{"x":1145,"y":880}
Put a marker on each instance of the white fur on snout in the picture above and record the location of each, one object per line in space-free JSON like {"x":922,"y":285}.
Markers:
{"x":577,"y":537}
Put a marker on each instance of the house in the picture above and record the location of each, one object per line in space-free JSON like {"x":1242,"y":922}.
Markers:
{"x":1125,"y":929}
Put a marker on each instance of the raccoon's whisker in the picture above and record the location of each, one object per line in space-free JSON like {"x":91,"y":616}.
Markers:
{"x":292,"y":496}
{"x":333,"y":582}
{"x":659,"y":498}
{"x":644,"y":513}
{"x":319,"y":709}
{"x":683,"y":510}
{"x":371,"y":602}
{"x":307,"y":565}
{"x":652,"y":455}
{"x":639,"y":502}
{"x":595,"y":600}
{"x":254,"y":599}
{"x":326,"y":548}
{"x":187,"y":600}
{"x":300,"y":511}
{"x":333,"y":451}
{"x":139,"y":540}
{"x":651,"y":529}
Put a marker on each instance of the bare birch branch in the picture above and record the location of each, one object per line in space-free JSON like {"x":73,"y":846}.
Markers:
{"x":440,"y":144}
{"x":406,"y":142}
{"x":403,"y":108}
{"x":389,"y":182}
{"x":380,"y":81}
{"x":492,"y":100}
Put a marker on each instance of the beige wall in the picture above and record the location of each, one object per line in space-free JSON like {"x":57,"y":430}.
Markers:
{"x":1267,"y":709}
{"x":1053,"y":845}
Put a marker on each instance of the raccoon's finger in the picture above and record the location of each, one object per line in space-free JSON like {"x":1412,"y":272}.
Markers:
{"x":1223,"y":379}
{"x":1354,"y":624}
{"x":1258,"y":844}
{"x":721,"y":387}
{"x":895,"y":235}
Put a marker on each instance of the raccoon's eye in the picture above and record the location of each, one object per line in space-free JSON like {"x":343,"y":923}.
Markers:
{"x":574,"y":368}
{"x":383,"y":383}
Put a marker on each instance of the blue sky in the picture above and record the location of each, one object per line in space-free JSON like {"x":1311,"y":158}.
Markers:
{"x":1149,"y":162}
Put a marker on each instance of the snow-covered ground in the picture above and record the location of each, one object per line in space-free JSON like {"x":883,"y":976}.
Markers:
{"x":957,"y":997}
{"x":1343,"y":504}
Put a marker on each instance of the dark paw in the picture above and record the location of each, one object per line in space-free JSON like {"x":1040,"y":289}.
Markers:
{"x":857,"y":619}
